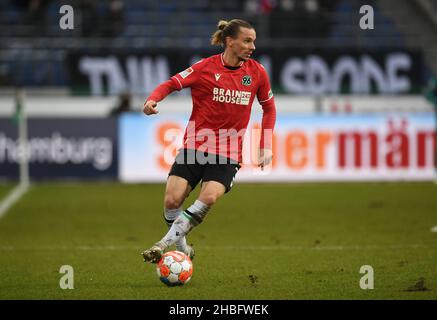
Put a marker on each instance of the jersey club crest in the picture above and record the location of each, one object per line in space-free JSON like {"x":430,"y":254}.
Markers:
{"x":247,"y":80}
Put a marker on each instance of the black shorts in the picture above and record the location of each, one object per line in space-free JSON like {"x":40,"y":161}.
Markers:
{"x":194,"y":166}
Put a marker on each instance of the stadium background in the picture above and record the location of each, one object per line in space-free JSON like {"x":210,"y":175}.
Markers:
{"x":354,"y":106}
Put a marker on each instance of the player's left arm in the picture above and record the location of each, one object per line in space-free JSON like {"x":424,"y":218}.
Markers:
{"x":267,"y":101}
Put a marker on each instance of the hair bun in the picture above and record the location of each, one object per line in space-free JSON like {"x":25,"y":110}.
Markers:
{"x":222,"y":24}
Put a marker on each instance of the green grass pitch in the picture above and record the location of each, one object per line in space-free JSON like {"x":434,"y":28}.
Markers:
{"x":261,"y":241}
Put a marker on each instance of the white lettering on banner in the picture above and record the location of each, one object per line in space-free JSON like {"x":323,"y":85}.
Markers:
{"x":231,"y":96}
{"x":372,"y":71}
{"x":59,"y":150}
{"x":396,"y":63}
{"x":346,"y":67}
{"x":309,"y":75}
{"x":318,"y":75}
{"x":313,"y":75}
{"x":153,"y":72}
{"x":142,"y":74}
{"x":98,"y":68}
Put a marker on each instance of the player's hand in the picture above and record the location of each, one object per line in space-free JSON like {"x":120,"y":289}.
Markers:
{"x":150,"y":107}
{"x":264,"y":158}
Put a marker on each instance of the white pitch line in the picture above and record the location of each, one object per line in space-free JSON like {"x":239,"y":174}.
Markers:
{"x":262,"y":248}
{"x":12,"y":198}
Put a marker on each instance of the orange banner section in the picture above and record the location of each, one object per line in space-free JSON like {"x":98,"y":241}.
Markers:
{"x":341,"y":148}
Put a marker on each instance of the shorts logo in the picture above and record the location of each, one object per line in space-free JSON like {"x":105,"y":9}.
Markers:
{"x":247,"y":80}
{"x":186,"y":72}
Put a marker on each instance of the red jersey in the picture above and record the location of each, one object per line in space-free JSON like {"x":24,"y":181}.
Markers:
{"x":222,"y":102}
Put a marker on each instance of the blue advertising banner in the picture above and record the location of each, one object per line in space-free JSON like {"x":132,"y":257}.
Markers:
{"x":61,"y":148}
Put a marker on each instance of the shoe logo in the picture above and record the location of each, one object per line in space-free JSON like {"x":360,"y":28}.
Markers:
{"x":217,"y":76}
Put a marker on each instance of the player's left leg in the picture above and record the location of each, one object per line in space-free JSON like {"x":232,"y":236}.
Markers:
{"x":194,"y":215}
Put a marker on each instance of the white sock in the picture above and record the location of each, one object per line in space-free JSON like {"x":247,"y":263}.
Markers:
{"x":198,"y":211}
{"x":180,"y":227}
{"x":170,"y":216}
{"x":184,"y":223}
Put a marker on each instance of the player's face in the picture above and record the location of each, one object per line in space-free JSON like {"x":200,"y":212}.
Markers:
{"x":244,"y":44}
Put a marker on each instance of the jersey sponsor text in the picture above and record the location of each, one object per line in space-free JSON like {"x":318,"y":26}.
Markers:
{"x":231,"y":96}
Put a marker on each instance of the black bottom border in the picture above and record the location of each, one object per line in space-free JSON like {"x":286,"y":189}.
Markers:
{"x":220,"y":309}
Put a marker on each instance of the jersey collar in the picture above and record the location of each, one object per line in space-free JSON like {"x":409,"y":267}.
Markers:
{"x":223,"y":61}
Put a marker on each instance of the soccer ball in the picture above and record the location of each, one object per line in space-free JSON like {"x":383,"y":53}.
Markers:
{"x":175,"y":268}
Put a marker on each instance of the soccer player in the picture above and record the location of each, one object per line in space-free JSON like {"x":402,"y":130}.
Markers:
{"x":223,"y":88}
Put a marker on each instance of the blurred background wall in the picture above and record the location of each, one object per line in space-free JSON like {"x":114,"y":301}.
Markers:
{"x":352,"y":103}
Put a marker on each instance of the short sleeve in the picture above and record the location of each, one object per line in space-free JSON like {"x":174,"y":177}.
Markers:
{"x":264,"y":93}
{"x":189,"y":76}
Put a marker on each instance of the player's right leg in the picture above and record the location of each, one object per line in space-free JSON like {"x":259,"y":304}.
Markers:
{"x":191,"y":217}
{"x":183,"y":177}
{"x":177,"y":189}
{"x":217,"y":180}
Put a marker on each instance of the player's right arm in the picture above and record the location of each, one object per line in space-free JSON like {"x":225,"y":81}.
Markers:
{"x":150,"y":107}
{"x":160,"y":92}
{"x":179,"y":81}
